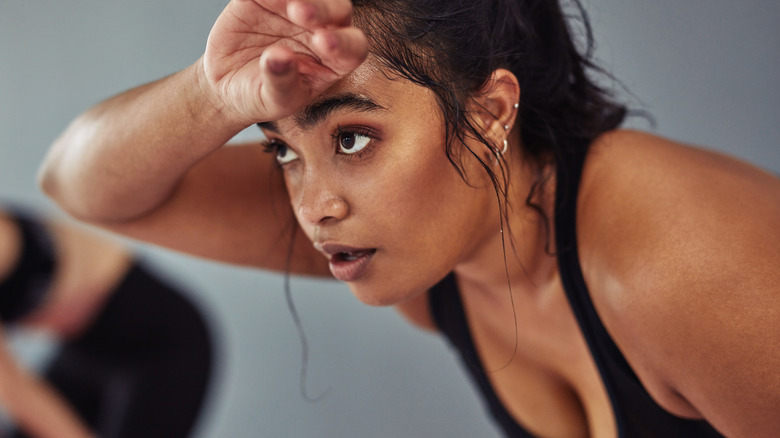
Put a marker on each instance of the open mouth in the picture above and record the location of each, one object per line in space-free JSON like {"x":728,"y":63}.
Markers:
{"x":351,"y":265}
{"x":349,"y":256}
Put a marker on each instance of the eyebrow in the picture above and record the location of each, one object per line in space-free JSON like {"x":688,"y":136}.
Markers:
{"x":319,"y":110}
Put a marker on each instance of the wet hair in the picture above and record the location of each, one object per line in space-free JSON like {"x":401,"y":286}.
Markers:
{"x":452,"y":47}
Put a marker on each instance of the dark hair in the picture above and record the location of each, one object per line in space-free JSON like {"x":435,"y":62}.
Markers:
{"x":453,"y":46}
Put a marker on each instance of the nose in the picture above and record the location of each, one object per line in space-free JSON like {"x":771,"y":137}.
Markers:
{"x":319,"y":205}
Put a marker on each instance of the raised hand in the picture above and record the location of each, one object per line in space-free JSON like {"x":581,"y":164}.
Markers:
{"x":265,"y":59}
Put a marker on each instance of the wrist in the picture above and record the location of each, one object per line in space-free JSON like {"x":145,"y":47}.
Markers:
{"x":217,"y":112}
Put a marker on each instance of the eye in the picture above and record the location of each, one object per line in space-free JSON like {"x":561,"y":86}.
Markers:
{"x":350,"y":142}
{"x":282,"y":152}
{"x":285,"y":155}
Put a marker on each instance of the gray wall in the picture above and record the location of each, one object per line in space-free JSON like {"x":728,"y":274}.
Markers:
{"x":707,"y":71}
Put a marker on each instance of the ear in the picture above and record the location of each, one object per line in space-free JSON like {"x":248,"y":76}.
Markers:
{"x":496,"y":107}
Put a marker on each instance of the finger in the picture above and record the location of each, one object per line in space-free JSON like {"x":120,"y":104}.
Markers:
{"x":315,"y":14}
{"x":341,"y":50}
{"x":282,"y":91}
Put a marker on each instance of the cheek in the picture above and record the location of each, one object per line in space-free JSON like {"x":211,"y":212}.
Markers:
{"x":293,"y":185}
{"x":423,"y":200}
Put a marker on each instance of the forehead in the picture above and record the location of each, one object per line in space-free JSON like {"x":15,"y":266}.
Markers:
{"x":367,"y":89}
{"x":365,"y":75}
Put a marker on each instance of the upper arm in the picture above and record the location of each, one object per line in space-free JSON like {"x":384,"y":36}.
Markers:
{"x":232,"y":207}
{"x":10,"y":243}
{"x":684,"y":269}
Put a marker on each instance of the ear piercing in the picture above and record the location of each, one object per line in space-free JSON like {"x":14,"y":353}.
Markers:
{"x":501,"y":152}
{"x":506,"y":128}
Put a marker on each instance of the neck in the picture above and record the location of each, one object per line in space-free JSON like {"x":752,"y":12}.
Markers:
{"x":519,"y":256}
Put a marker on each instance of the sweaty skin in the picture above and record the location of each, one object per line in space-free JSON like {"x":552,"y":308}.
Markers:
{"x":679,"y":245}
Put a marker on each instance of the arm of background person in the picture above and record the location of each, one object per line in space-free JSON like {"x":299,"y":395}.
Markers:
{"x":30,"y":402}
{"x":33,"y":405}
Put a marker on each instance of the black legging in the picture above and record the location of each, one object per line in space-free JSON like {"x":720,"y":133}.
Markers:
{"x":142,"y":368}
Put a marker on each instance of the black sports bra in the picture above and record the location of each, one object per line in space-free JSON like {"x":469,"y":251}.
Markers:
{"x":26,"y":286}
{"x":636,"y":413}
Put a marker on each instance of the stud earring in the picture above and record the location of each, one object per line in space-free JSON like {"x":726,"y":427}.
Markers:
{"x":517,"y":105}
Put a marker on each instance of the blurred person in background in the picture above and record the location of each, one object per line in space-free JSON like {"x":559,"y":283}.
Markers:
{"x":136,"y":354}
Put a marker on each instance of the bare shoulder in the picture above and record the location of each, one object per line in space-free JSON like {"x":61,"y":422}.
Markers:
{"x":680,"y":248}
{"x":642,"y":193}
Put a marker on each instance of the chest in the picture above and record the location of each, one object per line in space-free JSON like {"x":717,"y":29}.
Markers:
{"x":537,"y":363}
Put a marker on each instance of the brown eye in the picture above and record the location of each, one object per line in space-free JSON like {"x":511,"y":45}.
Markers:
{"x":352,"y":142}
{"x":284,"y":154}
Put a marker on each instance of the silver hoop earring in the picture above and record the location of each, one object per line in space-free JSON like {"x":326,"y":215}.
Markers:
{"x":501,"y":153}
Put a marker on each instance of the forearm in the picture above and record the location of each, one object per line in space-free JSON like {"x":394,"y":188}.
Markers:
{"x":32,"y":404}
{"x":39,"y":411}
{"x":125,"y":156}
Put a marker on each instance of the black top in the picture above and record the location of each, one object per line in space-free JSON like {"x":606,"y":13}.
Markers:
{"x":26,"y":286}
{"x":636,"y":413}
{"x":142,"y":367}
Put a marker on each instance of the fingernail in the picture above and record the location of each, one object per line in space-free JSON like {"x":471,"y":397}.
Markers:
{"x":331,"y":41}
{"x":305,"y":12}
{"x":279,"y":66}
{"x":309,"y":13}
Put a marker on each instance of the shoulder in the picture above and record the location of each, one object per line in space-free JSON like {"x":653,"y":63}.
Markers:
{"x":10,"y":243}
{"x":645,"y":195}
{"x":681,"y":252}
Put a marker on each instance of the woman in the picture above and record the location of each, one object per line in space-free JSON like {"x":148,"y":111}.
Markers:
{"x":456,"y":160}
{"x":136,"y":354}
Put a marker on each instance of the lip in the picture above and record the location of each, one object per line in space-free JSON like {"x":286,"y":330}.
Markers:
{"x":347,"y":263}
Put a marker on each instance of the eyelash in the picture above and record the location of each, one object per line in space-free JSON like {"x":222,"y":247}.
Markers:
{"x":359,"y":130}
{"x":273,"y":147}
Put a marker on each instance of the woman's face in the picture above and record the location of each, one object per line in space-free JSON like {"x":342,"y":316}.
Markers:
{"x":372,"y":188}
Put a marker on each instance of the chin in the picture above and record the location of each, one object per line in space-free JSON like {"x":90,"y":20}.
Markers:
{"x":379,"y":296}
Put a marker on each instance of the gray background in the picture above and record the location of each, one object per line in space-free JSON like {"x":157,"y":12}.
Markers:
{"x":707,"y":71}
